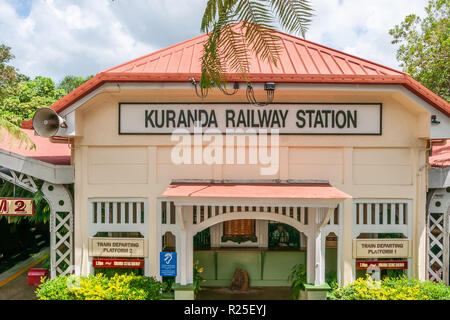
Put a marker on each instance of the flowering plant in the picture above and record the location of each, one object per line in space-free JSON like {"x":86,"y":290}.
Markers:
{"x":400,"y":288}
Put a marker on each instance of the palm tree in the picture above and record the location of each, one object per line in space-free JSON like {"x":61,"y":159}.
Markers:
{"x":238,"y":28}
{"x":15,"y":134}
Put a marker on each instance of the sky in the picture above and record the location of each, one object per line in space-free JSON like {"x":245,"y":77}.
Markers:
{"x":54,"y":38}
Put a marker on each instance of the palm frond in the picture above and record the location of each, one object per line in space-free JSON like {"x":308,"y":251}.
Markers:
{"x":238,"y":28}
{"x":293,"y":15}
{"x":258,"y":23}
{"x":213,"y":10}
{"x":213,"y":67}
{"x":234,"y":51}
{"x":15,"y":134}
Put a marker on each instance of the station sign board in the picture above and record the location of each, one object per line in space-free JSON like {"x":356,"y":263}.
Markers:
{"x":118,"y":263}
{"x":118,"y":247}
{"x":16,"y":207}
{"x":293,"y":118}
{"x":381,"y":248}
{"x":391,"y":264}
{"x":168,"y":264}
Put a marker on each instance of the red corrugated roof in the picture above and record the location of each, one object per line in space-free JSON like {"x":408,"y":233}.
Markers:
{"x":298,"y":56}
{"x":440,"y":155}
{"x":46,"y":151}
{"x":300,"y":61}
{"x":255,"y":190}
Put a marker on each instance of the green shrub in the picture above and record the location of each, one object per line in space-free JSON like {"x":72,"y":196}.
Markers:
{"x":297,"y":277}
{"x":100,"y":287}
{"x":331,"y":278}
{"x":56,"y":289}
{"x":167,"y":284}
{"x":400,"y":288}
{"x":198,"y":279}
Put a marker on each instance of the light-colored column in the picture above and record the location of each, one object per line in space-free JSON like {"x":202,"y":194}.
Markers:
{"x":339,"y":248}
{"x":420,"y":220}
{"x":179,"y":250}
{"x":311,"y":247}
{"x":319,"y":274}
{"x":347,"y":243}
{"x":159,"y":235}
{"x":152,"y":214}
{"x":347,"y":263}
{"x":81,"y":213}
{"x":315,"y":268}
{"x":183,"y":258}
{"x":188,"y":223}
{"x":189,"y":258}
{"x":310,"y":258}
{"x":185,"y":247}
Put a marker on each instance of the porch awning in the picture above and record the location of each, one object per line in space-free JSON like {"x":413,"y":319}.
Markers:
{"x":313,"y":192}
{"x":49,"y":161}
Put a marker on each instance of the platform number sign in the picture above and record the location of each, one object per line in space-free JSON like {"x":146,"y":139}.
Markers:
{"x":16,"y":207}
{"x":168,"y":264}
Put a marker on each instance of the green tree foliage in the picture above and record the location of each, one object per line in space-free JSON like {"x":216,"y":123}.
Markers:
{"x":27,"y":96}
{"x":240,"y":28}
{"x":9,"y":77}
{"x":424,"y":50}
{"x":19,"y":99}
{"x":71,"y":82}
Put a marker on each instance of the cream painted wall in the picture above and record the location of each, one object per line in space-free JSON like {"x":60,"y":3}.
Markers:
{"x":135,"y":166}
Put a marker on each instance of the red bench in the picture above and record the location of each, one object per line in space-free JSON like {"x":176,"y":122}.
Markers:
{"x":35,"y":275}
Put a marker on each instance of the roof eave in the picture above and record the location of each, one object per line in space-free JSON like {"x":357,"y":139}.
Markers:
{"x":405,"y":80}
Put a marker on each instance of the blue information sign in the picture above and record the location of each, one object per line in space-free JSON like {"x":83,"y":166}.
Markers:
{"x":168,"y":264}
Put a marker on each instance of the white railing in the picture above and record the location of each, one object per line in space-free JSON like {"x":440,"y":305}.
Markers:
{"x":203,"y":212}
{"x":382,"y":216}
{"x":118,"y":215}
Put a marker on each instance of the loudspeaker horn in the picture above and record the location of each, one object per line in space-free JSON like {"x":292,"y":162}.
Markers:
{"x":46,"y":122}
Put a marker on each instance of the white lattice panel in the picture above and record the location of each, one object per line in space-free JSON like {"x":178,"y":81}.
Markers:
{"x":438,"y":236}
{"x":60,"y":202}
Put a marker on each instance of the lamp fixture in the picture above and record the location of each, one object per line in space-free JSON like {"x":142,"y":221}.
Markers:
{"x":269,"y":87}
{"x":204,"y":91}
{"x":235,"y":89}
{"x":434,"y":119}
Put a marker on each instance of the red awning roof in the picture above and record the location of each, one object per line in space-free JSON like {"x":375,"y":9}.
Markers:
{"x":255,"y":190}
{"x":46,"y":151}
{"x":440,"y":155}
{"x":300,"y":61}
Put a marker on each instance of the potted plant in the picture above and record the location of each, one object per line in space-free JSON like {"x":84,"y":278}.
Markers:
{"x":198,"y":279}
{"x":297,"y":277}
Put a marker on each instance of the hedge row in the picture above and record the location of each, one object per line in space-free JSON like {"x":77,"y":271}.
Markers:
{"x":400,"y":288}
{"x":100,"y":287}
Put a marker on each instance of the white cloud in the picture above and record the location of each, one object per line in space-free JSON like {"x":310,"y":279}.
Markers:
{"x":82,"y":37}
{"x":361,"y":27}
